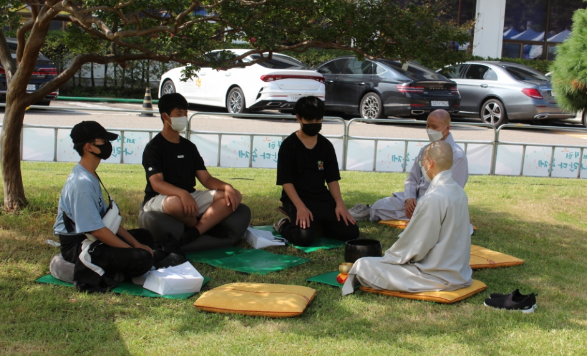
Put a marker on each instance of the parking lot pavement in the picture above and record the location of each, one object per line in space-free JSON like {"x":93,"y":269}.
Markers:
{"x":285,"y":126}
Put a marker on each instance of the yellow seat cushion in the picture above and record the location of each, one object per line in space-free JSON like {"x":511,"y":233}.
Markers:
{"x":446,"y":297}
{"x":398,"y":224}
{"x":482,"y":257}
{"x":401,"y":224}
{"x":272,"y":300}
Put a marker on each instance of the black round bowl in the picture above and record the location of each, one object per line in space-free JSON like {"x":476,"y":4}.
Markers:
{"x":355,"y":249}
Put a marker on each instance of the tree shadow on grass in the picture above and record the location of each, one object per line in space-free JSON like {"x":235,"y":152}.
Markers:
{"x":44,"y":318}
{"x":551,"y":269}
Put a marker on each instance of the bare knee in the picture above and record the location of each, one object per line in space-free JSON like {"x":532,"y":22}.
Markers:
{"x":219,"y":207}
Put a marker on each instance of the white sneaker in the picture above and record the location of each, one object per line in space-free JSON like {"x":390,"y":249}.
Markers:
{"x":360,"y":211}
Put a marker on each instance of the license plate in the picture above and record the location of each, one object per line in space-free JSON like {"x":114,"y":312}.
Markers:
{"x":439,"y":103}
{"x":31,"y":87}
{"x":294,"y":98}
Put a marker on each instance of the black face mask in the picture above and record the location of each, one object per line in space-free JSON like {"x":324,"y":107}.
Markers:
{"x":311,"y":129}
{"x":105,"y":150}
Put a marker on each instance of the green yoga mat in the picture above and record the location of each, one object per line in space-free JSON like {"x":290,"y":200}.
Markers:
{"x":319,"y":243}
{"x":205,"y":256}
{"x":257,"y":261}
{"x":327,"y":278}
{"x":125,"y":288}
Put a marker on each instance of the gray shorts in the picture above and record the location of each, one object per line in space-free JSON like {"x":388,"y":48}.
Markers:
{"x":203,"y":198}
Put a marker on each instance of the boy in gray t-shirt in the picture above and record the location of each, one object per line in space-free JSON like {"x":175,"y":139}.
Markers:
{"x":81,"y":209}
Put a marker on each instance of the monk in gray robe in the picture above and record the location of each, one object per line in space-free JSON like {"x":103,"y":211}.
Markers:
{"x":401,"y":205}
{"x":433,"y":252}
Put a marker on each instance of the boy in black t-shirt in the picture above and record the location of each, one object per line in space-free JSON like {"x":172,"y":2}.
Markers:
{"x":172,"y":164}
{"x":305,"y":163}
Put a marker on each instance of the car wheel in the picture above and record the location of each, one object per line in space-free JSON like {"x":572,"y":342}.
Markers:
{"x":168,"y":87}
{"x":371,"y":107}
{"x":235,"y":101}
{"x":584,"y":118}
{"x":493,"y":112}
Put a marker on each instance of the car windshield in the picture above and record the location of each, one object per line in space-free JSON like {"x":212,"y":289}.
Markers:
{"x":525,"y":74}
{"x":412,"y":70}
{"x":280,"y":62}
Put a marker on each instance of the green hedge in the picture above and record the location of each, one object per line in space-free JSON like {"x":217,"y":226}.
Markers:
{"x":317,"y":56}
{"x":538,"y":64}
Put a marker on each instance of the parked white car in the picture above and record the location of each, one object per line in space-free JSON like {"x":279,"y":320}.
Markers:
{"x":275,"y":84}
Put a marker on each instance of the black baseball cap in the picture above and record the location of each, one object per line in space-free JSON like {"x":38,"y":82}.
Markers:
{"x":87,"y":131}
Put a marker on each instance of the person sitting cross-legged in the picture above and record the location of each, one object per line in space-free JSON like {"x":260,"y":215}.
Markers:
{"x":172,"y":164}
{"x":101,"y":254}
{"x":434,"y":251}
{"x":401,"y":205}
{"x":306,"y":164}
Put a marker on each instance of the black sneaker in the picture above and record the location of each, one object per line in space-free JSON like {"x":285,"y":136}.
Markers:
{"x":515,"y":294}
{"x":173,"y":259}
{"x":188,"y":236}
{"x":513,"y":301}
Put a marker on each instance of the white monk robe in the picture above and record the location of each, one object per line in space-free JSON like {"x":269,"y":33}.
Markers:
{"x":394,"y":207}
{"x":431,"y":254}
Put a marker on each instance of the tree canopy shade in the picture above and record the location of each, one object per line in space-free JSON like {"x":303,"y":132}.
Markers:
{"x":569,"y":71}
{"x":183,"y":31}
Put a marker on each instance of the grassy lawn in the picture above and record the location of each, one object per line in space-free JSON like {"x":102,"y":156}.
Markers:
{"x":539,"y":220}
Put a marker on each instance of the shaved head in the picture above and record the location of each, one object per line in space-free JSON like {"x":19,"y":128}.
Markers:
{"x":441,"y":153}
{"x":441,"y":116}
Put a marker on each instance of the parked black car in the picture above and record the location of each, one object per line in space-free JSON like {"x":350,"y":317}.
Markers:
{"x":385,"y":87}
{"x":44,"y":71}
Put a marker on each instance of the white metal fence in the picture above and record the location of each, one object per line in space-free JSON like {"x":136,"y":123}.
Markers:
{"x":359,"y":153}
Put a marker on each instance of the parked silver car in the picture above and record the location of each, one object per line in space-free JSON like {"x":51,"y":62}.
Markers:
{"x":579,"y":118}
{"x":501,"y":91}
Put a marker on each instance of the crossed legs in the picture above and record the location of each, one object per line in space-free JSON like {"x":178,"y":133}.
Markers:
{"x":213,"y":214}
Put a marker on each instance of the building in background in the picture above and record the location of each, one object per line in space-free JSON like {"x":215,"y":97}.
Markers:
{"x":529,"y":29}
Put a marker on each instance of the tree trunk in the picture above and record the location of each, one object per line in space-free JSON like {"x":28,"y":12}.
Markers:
{"x":143,"y":72}
{"x":14,"y":197}
{"x":92,"y":75}
{"x":132,"y":76}
{"x":106,"y":75}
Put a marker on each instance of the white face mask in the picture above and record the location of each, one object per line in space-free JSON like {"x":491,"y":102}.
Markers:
{"x":179,"y":123}
{"x":434,"y":135}
{"x":425,"y":173}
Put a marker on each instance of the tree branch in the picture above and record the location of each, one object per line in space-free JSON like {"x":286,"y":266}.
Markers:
{"x":6,"y":59}
{"x":21,"y":39}
{"x":186,"y":12}
{"x":124,"y":4}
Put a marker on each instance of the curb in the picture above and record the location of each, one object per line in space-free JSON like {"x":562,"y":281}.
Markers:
{"x":103,"y":100}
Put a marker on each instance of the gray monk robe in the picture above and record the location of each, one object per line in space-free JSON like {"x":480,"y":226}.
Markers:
{"x":394,"y":207}
{"x":431,"y":254}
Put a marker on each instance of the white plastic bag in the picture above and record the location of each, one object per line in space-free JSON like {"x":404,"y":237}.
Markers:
{"x":174,"y":280}
{"x":261,"y":239}
{"x":112,"y":219}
